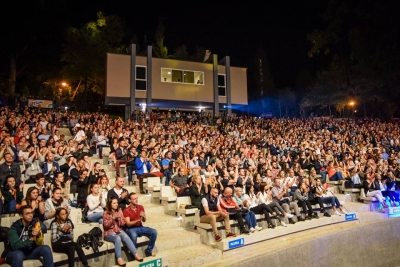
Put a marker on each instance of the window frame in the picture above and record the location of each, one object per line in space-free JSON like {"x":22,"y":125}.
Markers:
{"x":222,"y":74}
{"x":138,"y":79}
{"x":183,"y":79}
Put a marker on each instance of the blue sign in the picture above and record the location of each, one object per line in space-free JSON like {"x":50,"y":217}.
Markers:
{"x":350,"y":216}
{"x":236,"y":243}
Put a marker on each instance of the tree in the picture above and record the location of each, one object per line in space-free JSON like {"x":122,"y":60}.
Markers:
{"x":361,"y":40}
{"x":85,"y":52}
{"x":159,"y":49}
{"x":181,"y":53}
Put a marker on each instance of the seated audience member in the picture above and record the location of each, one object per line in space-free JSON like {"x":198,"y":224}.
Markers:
{"x":9,"y":167}
{"x":119,"y":192}
{"x":372,"y":189}
{"x":322,"y":192}
{"x":166,"y":166}
{"x":50,"y":166}
{"x":197,"y":191}
{"x":253,"y":204}
{"x":82,"y":186}
{"x":44,"y":190}
{"x":301,"y":195}
{"x":120,"y":155}
{"x":101,"y":141}
{"x":214,"y":182}
{"x":229,"y":179}
{"x":388,"y":188}
{"x":62,"y":238}
{"x":264,"y":196}
{"x":131,"y":157}
{"x":22,"y":238}
{"x":94,"y":173}
{"x":135,"y":216}
{"x":248,"y":215}
{"x":104,"y":186}
{"x":32,"y":165}
{"x":12,"y":194}
{"x":228,"y":203}
{"x":33,"y":200}
{"x":334,"y":173}
{"x":143,"y":167}
{"x":314,"y":198}
{"x":59,"y":182}
{"x":96,"y":204}
{"x":280,"y":194}
{"x":211,"y":212}
{"x":180,"y":183}
{"x":56,"y":201}
{"x":113,"y":223}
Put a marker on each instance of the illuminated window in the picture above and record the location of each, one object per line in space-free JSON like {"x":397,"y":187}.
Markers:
{"x":188,"y":77}
{"x":221,"y":85}
{"x":166,"y":75}
{"x":182,"y":76}
{"x":199,"y":77}
{"x":141,"y":78}
{"x":177,"y":76}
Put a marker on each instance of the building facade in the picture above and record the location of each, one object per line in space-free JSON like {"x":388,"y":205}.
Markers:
{"x":169,"y":83}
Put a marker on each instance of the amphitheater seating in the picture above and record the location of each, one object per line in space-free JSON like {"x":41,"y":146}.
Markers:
{"x":353,"y":192}
{"x":187,"y":215}
{"x":168,"y":199}
{"x":336,"y":186}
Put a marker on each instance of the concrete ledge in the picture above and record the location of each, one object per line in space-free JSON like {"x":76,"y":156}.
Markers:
{"x":242,"y":240}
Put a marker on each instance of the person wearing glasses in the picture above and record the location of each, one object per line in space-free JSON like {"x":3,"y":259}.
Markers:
{"x":22,"y":238}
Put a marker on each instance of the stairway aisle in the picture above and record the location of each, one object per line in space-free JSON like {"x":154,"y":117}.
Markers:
{"x":181,"y":246}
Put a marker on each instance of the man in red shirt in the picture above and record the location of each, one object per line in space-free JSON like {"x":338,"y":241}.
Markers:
{"x":228,"y":203}
{"x":134,"y":217}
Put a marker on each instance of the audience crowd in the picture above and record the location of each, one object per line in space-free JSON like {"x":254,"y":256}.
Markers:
{"x":230,"y":166}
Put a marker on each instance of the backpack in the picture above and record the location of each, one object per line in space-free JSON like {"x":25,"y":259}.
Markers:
{"x":348,"y":183}
{"x":91,"y":239}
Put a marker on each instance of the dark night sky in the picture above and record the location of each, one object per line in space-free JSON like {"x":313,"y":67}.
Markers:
{"x":237,"y":30}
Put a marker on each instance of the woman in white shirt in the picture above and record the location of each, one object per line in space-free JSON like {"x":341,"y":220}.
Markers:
{"x":96,"y":204}
{"x":253,"y":204}
{"x":265,"y":196}
{"x":101,"y":141}
{"x":51,"y":204}
{"x":104,"y":186}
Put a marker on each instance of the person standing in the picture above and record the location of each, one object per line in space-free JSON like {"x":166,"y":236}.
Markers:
{"x":135,"y":216}
{"x":22,"y":238}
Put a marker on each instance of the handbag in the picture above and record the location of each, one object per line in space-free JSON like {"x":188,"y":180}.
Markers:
{"x":84,"y":214}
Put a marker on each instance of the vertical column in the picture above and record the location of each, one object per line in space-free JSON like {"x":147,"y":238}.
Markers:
{"x":228,"y":84}
{"x":149,"y":78}
{"x":133,"y":81}
{"x":215,"y":84}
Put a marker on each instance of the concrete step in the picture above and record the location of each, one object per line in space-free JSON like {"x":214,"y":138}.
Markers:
{"x":371,"y":216}
{"x":356,"y":207}
{"x":168,"y":239}
{"x":163,"y":222}
{"x":154,"y":209}
{"x":65,"y":132}
{"x":193,"y":256}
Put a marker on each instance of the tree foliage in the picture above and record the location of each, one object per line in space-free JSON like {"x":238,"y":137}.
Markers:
{"x":159,"y":49}
{"x":85,"y":51}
